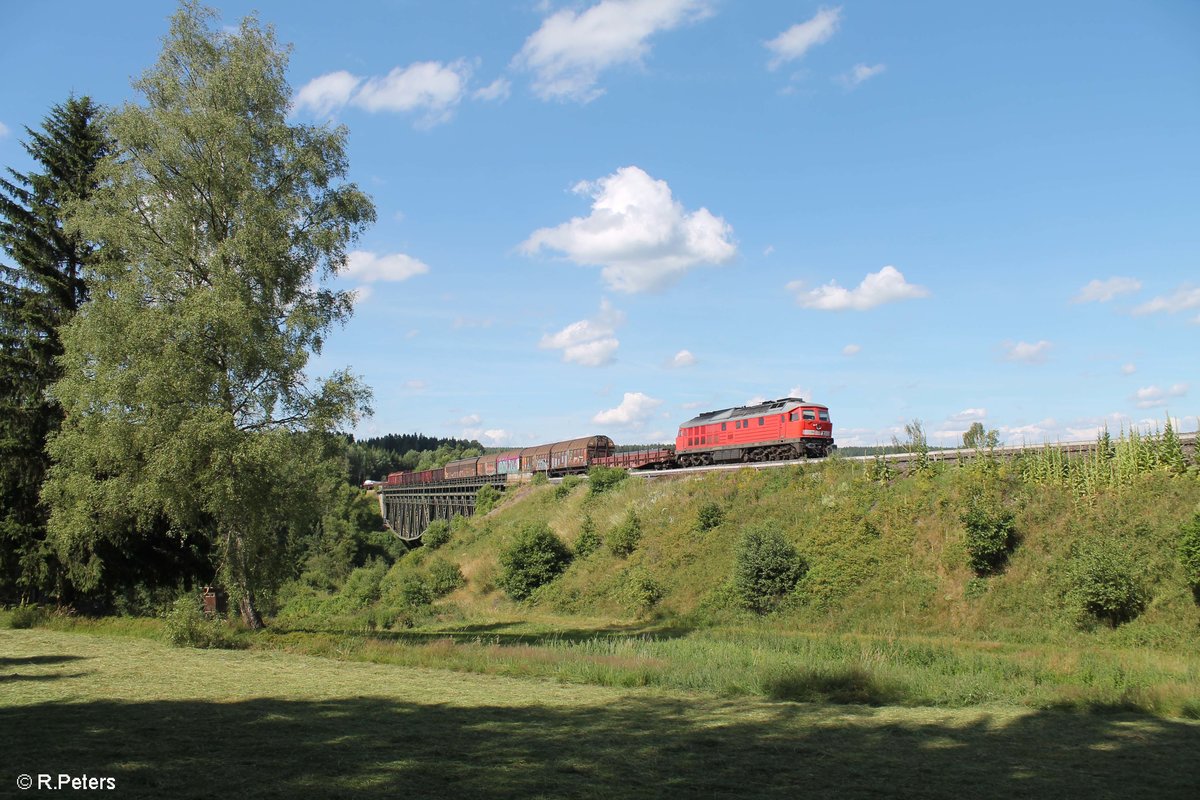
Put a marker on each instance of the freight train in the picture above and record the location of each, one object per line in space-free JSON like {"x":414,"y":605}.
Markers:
{"x":774,"y":430}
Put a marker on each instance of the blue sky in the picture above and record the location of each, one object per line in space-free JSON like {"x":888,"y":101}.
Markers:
{"x":602,"y":216}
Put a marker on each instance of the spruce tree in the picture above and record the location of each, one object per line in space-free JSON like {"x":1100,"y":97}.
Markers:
{"x":39,"y":291}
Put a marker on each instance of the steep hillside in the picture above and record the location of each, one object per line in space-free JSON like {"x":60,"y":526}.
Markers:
{"x":885,"y":555}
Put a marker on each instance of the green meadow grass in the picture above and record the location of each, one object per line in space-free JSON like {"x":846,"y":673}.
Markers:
{"x":183,"y":723}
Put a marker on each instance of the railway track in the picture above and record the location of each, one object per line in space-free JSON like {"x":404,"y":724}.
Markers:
{"x":902,"y":460}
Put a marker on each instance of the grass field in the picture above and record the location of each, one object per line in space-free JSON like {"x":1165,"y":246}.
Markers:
{"x":168,"y":722}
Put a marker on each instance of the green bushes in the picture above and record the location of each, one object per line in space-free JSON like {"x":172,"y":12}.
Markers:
{"x":641,"y":592}
{"x":990,"y":535}
{"x":487,"y":498}
{"x":766,"y":568}
{"x":566,"y":486}
{"x":436,"y":535}
{"x":535,"y":557}
{"x":589,"y":540}
{"x":601,"y":479}
{"x":186,"y":626}
{"x":1102,"y":587}
{"x":709,"y":516}
{"x":26,"y":616}
{"x":412,"y":590}
{"x":1189,"y":554}
{"x":444,"y":577}
{"x":625,"y":537}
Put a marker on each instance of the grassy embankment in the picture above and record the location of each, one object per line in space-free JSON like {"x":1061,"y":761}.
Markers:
{"x":889,"y":611}
{"x":185,"y":723}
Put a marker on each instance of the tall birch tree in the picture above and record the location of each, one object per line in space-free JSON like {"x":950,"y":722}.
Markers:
{"x":184,"y":390}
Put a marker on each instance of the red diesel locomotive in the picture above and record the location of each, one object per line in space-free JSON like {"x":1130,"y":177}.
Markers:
{"x":774,"y":430}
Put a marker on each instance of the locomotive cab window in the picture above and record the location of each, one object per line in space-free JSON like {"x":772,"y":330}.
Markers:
{"x":810,"y":414}
{"x":824,"y":416}
{"x":794,"y":416}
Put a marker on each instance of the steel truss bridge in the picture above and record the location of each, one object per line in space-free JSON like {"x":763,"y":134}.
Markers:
{"x":408,"y":510}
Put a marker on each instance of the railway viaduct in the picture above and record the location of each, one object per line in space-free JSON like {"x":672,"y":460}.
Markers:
{"x":408,"y":510}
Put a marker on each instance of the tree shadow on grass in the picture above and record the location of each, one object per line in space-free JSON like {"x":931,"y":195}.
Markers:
{"x":374,"y":747}
{"x":12,"y":661}
{"x":13,"y":677}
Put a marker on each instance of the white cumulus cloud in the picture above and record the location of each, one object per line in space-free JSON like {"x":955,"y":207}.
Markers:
{"x":369,"y":267}
{"x":1128,"y":369}
{"x":886,"y":286}
{"x":1024,"y":351}
{"x":498,"y":89}
{"x":1099,"y":291}
{"x":803,"y":36}
{"x":3,"y":130}
{"x":860,"y":73}
{"x":969,"y":415}
{"x":638,"y":232}
{"x":1153,"y":396}
{"x":588,"y":342}
{"x":1184,"y":298}
{"x":571,"y":48}
{"x":327,"y":93}
{"x":683,"y":358}
{"x":430,"y":88}
{"x":851,"y":350}
{"x":634,"y":410}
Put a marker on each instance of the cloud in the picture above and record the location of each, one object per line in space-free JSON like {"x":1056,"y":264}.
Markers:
{"x":683,"y":358}
{"x":886,"y":286}
{"x":1128,"y":369}
{"x":851,"y":350}
{"x":430,"y":87}
{"x":489,"y":436}
{"x":369,"y":267}
{"x":797,"y":391}
{"x":497,"y":90}
{"x":1153,"y":396}
{"x":633,"y":411}
{"x":416,"y":385}
{"x":1182,"y":299}
{"x":1098,"y":291}
{"x":860,"y":73}
{"x":361,"y":293}
{"x":3,"y":130}
{"x":588,"y":342}
{"x":641,"y":236}
{"x":970,"y":415}
{"x":1029,"y":353}
{"x":801,"y":37}
{"x":569,"y":51}
{"x":469,"y":420}
{"x":327,"y":93}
